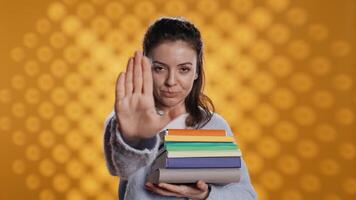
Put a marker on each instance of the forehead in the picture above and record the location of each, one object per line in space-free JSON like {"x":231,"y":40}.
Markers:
{"x":174,"y":52}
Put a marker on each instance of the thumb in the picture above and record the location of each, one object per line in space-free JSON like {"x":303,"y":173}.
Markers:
{"x":201,"y":185}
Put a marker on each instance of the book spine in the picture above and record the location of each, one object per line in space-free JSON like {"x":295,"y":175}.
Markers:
{"x":176,"y":138}
{"x":199,"y":148}
{"x":213,"y":175}
{"x":185,"y":154}
{"x":204,"y":162}
{"x":197,"y":132}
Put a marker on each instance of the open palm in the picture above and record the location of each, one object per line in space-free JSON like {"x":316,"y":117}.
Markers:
{"x":134,"y":102}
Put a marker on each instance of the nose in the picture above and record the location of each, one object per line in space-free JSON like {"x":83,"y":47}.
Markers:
{"x":171,"y":79}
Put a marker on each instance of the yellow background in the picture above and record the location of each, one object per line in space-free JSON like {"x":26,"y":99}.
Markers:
{"x":281,"y":72}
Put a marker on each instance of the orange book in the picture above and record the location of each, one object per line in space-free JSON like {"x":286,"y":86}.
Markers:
{"x":196,"y":132}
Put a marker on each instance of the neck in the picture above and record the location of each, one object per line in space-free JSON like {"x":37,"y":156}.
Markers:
{"x":174,"y":111}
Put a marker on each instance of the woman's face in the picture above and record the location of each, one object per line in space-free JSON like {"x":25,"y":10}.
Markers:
{"x":173,"y":72}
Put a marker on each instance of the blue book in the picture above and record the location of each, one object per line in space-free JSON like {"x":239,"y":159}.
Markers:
{"x":162,"y":161}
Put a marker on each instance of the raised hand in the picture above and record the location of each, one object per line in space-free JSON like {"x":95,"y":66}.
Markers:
{"x":134,"y":102}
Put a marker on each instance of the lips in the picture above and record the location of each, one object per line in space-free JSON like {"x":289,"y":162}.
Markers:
{"x":169,"y":94}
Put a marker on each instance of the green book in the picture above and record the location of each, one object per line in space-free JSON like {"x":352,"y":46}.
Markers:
{"x":199,"y":146}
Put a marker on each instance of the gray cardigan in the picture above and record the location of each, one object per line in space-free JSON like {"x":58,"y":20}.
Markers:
{"x":131,"y":162}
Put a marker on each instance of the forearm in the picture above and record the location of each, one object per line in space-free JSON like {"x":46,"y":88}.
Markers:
{"x":123,"y":159}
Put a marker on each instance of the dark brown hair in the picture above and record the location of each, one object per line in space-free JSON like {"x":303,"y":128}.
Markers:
{"x":197,"y":104}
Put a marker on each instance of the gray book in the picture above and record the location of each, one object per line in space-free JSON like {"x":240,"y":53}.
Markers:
{"x":208,"y":175}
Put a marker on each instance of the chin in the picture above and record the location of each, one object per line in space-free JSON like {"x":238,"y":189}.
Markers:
{"x":170,"y":102}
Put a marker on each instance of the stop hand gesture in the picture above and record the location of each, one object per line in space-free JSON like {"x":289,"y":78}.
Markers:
{"x":134,"y":102}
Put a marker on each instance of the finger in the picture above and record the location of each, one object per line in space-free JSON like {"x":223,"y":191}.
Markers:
{"x":182,"y":189}
{"x":160,"y":191}
{"x":202,"y":185}
{"x":147,"y":76}
{"x":120,"y":86}
{"x":128,"y":77}
{"x":137,"y":76}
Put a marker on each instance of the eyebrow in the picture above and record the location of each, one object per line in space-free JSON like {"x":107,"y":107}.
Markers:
{"x":164,"y":64}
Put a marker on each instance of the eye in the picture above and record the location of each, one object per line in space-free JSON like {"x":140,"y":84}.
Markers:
{"x":184,"y":69}
{"x":157,"y":68}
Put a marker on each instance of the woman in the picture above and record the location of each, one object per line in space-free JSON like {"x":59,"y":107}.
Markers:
{"x":163,"y":90}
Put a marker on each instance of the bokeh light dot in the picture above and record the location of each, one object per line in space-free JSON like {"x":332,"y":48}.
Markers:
{"x":325,"y":133}
{"x":101,"y":25}
{"x":249,"y":130}
{"x":349,"y":185}
{"x":32,"y":181}
{"x":307,"y":148}
{"x":46,"y":138}
{"x":329,"y":167}
{"x":61,"y":153}
{"x":75,"y":169}
{"x":304,"y":115}
{"x":72,"y":54}
{"x":18,"y":82}
{"x":18,"y":109}
{"x":71,"y":24}
{"x":30,"y":40}
{"x":265,"y":114}
{"x":19,"y":138}
{"x":261,"y":50}
{"x":278,"y":5}
{"x":242,"y":6}
{"x":283,"y":98}
{"x":278,"y":33}
{"x":59,"y":68}
{"x":5,"y":123}
{"x":60,"y":124}
{"x":310,"y":183}
{"x":59,"y":96}
{"x":45,"y":54}
{"x":340,"y":48}
{"x":342,"y":82}
{"x":18,"y":166}
{"x":46,"y":194}
{"x":85,"y":10}
{"x":33,"y":124}
{"x":45,"y":82}
{"x":31,"y":68}
{"x":347,"y":150}
{"x":114,"y":10}
{"x":56,"y":11}
{"x":301,"y":82}
{"x":268,"y":147}
{"x":286,"y":131}
{"x":33,"y":152}
{"x":323,"y":99}
{"x":299,"y":49}
{"x":271,"y":179}
{"x":345,"y":116}
{"x":288,"y":164}
{"x":296,"y":16}
{"x":17,"y":54}
{"x":292,"y":194}
{"x":318,"y":32}
{"x":47,"y":167}
{"x":61,"y":183}
{"x":58,"y":40}
{"x":260,"y":18}
{"x":43,"y":26}
{"x":280,"y":66}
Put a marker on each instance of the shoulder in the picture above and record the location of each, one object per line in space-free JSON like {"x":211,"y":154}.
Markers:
{"x":218,"y":122}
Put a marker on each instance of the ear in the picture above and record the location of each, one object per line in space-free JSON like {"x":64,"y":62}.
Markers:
{"x":196,"y":76}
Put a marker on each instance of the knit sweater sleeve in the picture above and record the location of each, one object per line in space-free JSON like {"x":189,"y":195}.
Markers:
{"x":122,"y":158}
{"x":243,"y":190}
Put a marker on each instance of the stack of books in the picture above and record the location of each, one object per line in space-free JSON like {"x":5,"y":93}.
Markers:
{"x":187,"y":155}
